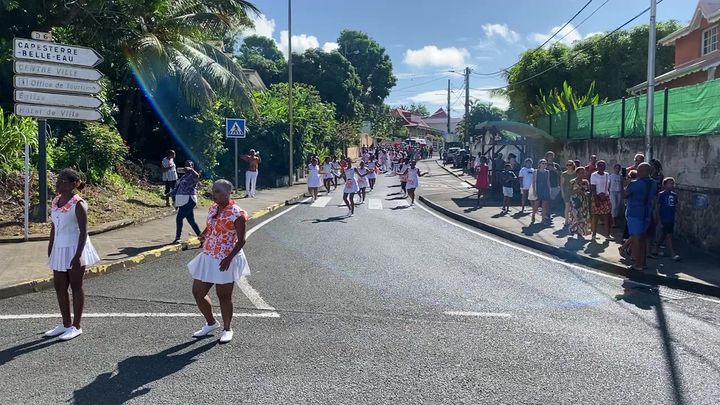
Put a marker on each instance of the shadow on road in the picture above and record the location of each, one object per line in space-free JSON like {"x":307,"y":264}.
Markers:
{"x":330,"y":219}
{"x":124,"y":384}
{"x":134,"y":251}
{"x":11,"y":353}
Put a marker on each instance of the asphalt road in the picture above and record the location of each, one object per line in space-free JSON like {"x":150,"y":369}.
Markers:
{"x":393,"y":305}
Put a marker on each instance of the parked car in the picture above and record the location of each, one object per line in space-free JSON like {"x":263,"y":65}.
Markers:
{"x":450,"y":154}
{"x":461,"y":158}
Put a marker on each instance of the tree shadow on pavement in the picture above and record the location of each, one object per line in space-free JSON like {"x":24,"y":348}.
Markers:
{"x":532,"y":229}
{"x":133,"y":251}
{"x":11,"y":353}
{"x":124,"y":383}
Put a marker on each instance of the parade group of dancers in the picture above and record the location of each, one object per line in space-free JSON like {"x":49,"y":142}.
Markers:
{"x":360,"y":179}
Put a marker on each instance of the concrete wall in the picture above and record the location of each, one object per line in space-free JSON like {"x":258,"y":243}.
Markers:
{"x":694,"y":162}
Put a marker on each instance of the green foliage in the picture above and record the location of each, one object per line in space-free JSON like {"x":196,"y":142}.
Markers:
{"x":262,"y":54}
{"x":372,"y":64}
{"x":561,"y":100}
{"x":95,"y":150}
{"x":15,"y":132}
{"x":334,"y":78}
{"x":615,"y":64}
{"x":479,"y":113}
{"x":419,"y":109}
{"x":384,"y":126}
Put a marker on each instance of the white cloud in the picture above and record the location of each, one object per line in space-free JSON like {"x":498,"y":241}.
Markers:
{"x":300,"y":43}
{"x":263,"y":27}
{"x":502,"y":31}
{"x":330,"y":46}
{"x":431,"y":55}
{"x":568,"y":34}
{"x":439,"y":98}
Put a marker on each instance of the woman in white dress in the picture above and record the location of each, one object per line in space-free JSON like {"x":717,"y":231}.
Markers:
{"x":413,"y":181}
{"x":363,"y":174}
{"x":314,"y":181}
{"x":351,"y":187}
{"x":372,"y":169}
{"x":336,"y":172}
{"x":69,"y":252}
{"x":222,"y":261}
{"x":327,"y":174}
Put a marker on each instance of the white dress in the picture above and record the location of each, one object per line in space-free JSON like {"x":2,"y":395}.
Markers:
{"x":67,"y":232}
{"x":413,"y":180}
{"x":314,"y":176}
{"x":351,"y":184}
{"x":363,"y":180}
{"x":327,"y":171}
{"x":336,"y":169}
{"x":371,"y":168}
{"x":219,"y":241}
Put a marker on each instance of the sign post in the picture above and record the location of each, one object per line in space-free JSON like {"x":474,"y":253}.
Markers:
{"x":52,"y":81}
{"x":235,"y":129}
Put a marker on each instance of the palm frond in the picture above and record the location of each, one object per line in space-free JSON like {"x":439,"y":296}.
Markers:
{"x":193,"y":86}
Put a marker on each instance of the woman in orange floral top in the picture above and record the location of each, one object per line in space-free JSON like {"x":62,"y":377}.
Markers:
{"x":222,"y":261}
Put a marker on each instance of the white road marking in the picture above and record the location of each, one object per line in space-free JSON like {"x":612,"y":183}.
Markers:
{"x":139,"y":315}
{"x":253,"y":295}
{"x":374,"y":204}
{"x":709,"y":300}
{"x":478,"y":314}
{"x":321,"y":202}
{"x":530,"y":252}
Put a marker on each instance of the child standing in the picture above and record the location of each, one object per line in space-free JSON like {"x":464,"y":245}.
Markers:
{"x":69,"y":252}
{"x":508,"y":181}
{"x":482,"y":179}
{"x":527,"y":174}
{"x":667,"y":200}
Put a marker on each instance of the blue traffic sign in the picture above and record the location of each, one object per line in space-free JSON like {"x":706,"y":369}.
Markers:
{"x":235,"y":127}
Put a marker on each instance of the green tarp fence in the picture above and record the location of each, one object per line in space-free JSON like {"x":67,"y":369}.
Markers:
{"x":691,"y":111}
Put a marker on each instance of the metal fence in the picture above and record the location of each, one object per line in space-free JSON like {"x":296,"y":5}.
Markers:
{"x":684,"y":111}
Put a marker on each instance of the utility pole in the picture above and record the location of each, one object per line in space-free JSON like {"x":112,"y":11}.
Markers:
{"x":649,"y":124}
{"x":291,"y":175}
{"x":467,"y":105}
{"x":448,"y":110}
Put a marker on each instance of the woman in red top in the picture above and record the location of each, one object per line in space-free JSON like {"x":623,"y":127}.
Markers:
{"x":482,"y":179}
{"x":222,"y":261}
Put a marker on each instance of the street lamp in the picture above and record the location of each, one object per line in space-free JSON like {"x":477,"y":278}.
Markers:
{"x":290,"y":95}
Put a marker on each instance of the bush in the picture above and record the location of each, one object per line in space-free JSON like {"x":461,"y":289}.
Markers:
{"x":15,"y":131}
{"x":96,"y":150}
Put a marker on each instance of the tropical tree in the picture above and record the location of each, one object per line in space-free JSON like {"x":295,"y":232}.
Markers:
{"x":479,"y":112}
{"x":262,"y":55}
{"x":372,"y":64}
{"x":562,"y":100}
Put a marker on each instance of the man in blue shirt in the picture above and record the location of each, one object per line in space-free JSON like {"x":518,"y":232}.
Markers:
{"x":640,"y":195}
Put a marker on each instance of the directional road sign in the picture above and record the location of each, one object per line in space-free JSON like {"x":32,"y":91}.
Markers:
{"x":60,"y":100}
{"x":57,"y":53}
{"x":24,"y":67}
{"x":56,"y":85}
{"x":57,"y":113}
{"x":235,"y":128}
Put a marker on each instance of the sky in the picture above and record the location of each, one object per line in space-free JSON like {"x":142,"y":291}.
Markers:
{"x":430,"y":42}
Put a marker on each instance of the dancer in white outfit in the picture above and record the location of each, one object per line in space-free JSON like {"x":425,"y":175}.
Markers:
{"x":336,"y":172}
{"x":363,"y":174}
{"x":372,"y":175}
{"x":314,"y":181}
{"x":222,"y":260}
{"x":413,"y":181}
{"x":69,"y":252}
{"x":327,"y":174}
{"x":351,"y":187}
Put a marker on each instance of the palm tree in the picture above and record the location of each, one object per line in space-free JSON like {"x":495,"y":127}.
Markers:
{"x":176,"y":41}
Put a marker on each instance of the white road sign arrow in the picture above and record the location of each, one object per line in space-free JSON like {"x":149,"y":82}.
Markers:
{"x":61,"y":100}
{"x":24,"y":67}
{"x":56,"y":85}
{"x":57,"y":113}
{"x":57,"y":53}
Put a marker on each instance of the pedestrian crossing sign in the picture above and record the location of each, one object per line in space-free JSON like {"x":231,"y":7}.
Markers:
{"x":235,"y":127}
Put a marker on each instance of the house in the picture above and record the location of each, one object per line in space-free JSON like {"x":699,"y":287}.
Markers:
{"x":415,"y":124}
{"x":696,"y":50}
{"x":439,"y":121}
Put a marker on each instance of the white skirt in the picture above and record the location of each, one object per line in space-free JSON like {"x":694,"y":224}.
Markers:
{"x":207,"y":269}
{"x":60,"y":257}
{"x":351,"y":186}
{"x":314,"y":181}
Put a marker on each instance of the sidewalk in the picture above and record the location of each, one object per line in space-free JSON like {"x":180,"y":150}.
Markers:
{"x":24,"y":264}
{"x":697,"y":271}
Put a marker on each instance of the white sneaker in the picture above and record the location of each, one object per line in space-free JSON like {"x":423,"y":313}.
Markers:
{"x":71,"y":333}
{"x":226,"y":336}
{"x":56,"y":331}
{"x":207,"y":329}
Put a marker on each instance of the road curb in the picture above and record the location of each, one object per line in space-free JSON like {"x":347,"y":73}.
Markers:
{"x":573,"y":257}
{"x":130,"y":262}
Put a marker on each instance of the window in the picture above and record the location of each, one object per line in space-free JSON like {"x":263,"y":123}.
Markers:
{"x":710,"y":40}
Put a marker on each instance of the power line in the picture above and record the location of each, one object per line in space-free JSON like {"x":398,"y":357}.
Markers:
{"x":572,"y":54}
{"x":544,"y":43}
{"x":583,"y":21}
{"x":419,"y":84}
